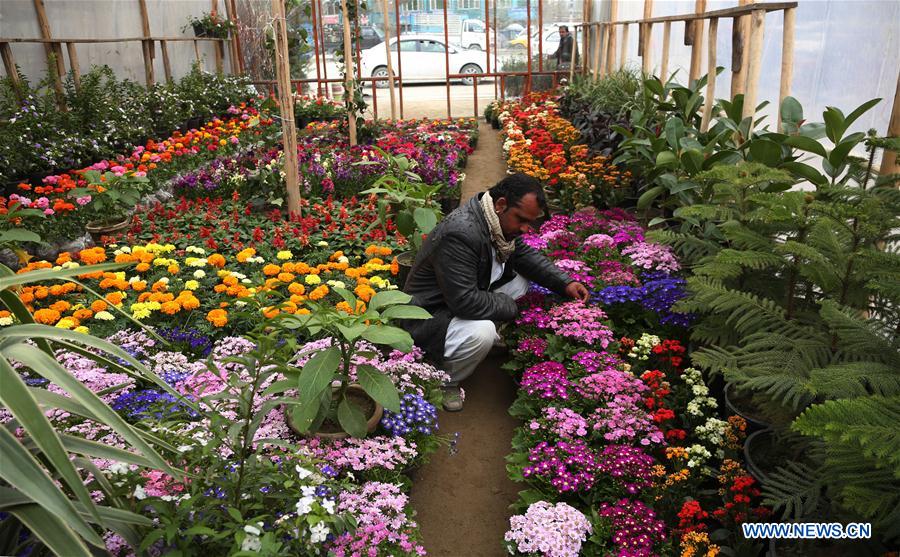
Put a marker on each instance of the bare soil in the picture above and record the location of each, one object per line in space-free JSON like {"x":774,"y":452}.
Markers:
{"x":463,"y":499}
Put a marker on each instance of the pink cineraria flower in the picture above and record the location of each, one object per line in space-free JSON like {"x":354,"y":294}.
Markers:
{"x":549,"y":530}
{"x":656,"y":257}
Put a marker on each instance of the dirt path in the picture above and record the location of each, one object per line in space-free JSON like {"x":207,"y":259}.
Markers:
{"x":462,"y":499}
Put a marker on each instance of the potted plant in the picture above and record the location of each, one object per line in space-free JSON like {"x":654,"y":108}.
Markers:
{"x":210,"y":25}
{"x":312,"y":109}
{"x":109,"y":199}
{"x":412,"y":202}
{"x":327,"y":394}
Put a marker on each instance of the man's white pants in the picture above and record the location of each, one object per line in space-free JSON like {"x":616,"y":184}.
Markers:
{"x":469,"y":341}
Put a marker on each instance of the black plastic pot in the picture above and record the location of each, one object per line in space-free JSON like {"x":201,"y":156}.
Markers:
{"x":754,"y":421}
{"x":199,"y":30}
{"x":405,"y":262}
{"x":750,"y":458}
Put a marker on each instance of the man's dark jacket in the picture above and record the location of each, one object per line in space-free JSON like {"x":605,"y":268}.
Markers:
{"x":451,"y":277}
{"x":564,"y":50}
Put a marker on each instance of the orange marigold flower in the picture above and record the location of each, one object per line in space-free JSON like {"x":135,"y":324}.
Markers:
{"x":218,"y":317}
{"x":139,"y":285}
{"x":296,"y":288}
{"x":319,"y":292}
{"x":216,"y":260}
{"x":61,"y":306}
{"x":173,"y":269}
{"x":270,"y":312}
{"x":285,"y":277}
{"x":188,"y":301}
{"x":99,"y":305}
{"x":92,"y":255}
{"x":41,"y":292}
{"x":83,"y":314}
{"x":364,"y":291}
{"x":46,"y":316}
{"x":271,"y":270}
{"x":115,"y":298}
{"x":142,"y":267}
{"x":170,"y":308}
{"x":64,"y":257}
{"x":395,"y":267}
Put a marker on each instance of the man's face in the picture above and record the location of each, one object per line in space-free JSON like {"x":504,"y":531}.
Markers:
{"x":517,"y":220}
{"x":563,"y":32}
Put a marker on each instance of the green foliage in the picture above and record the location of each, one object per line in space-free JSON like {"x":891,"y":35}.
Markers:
{"x":318,"y":400}
{"x":43,"y":487}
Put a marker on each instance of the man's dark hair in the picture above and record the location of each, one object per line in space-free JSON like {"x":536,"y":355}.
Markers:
{"x":564,"y":28}
{"x":517,"y":186}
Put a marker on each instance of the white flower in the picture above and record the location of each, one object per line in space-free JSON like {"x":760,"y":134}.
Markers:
{"x":139,"y":493}
{"x":104,"y":316}
{"x":328,"y":505}
{"x":6,"y":321}
{"x":253,"y":530}
{"x":199,"y":274}
{"x":319,"y":533}
{"x":343,"y":259}
{"x":304,"y":505}
{"x":185,"y":448}
{"x":251,"y":543}
{"x":118,"y":468}
{"x":322,"y":244}
{"x":302,"y":472}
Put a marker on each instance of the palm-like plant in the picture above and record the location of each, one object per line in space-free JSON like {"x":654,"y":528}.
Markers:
{"x":42,"y":468}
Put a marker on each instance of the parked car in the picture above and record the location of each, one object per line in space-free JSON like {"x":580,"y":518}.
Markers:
{"x":549,"y":46}
{"x":423,"y":60}
{"x":369,"y":36}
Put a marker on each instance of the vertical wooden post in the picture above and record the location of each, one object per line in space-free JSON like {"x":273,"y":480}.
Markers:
{"x":9,"y":64}
{"x":219,"y":47}
{"x":527,"y":79}
{"x":73,"y":63}
{"x":233,"y":41}
{"x":390,"y":63}
{"x":787,"y":58}
{"x":236,"y":39}
{"x":889,"y":163}
{"x":611,"y":37}
{"x":286,"y":100}
{"x":585,"y":39}
{"x":598,"y":39}
{"x":664,"y":62}
{"x":697,"y":43}
{"x":711,"y":74}
{"x":571,"y":57}
{"x":446,"y":59}
{"x":167,"y":66}
{"x":147,"y":45}
{"x":623,"y":56}
{"x":646,"y":31}
{"x":348,"y":71}
{"x":196,"y":50}
{"x":52,"y":48}
{"x":740,"y":51}
{"x":757,"y":30}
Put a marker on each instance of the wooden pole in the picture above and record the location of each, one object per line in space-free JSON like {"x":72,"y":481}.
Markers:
{"x":236,"y":40}
{"x":624,"y":54}
{"x":571,"y":58}
{"x":889,"y":163}
{"x":286,"y":100}
{"x":787,"y":58}
{"x":390,"y":64}
{"x":232,"y":42}
{"x":54,"y":49}
{"x":146,"y":46}
{"x":9,"y":64}
{"x":757,"y":30}
{"x":611,"y":51}
{"x":400,"y":58}
{"x":598,"y":38}
{"x":646,"y":32}
{"x":73,"y":63}
{"x":697,"y":42}
{"x":740,"y":52}
{"x":604,"y":59}
{"x":710,"y":75}
{"x":586,"y":37}
{"x":167,"y":65}
{"x":348,"y":71}
{"x":446,"y":60}
{"x":664,"y":63}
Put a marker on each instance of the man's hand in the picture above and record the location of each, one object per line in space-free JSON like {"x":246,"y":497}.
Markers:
{"x":577,"y":291}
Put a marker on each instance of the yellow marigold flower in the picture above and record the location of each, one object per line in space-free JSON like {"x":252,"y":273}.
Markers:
{"x":284,"y":255}
{"x":67,"y":323}
{"x":81,"y":329}
{"x":312,"y":279}
{"x":192,"y":285}
{"x":243,"y":255}
{"x":104,"y":316}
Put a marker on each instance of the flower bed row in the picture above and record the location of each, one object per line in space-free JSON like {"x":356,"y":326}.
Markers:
{"x":622,"y":446}
{"x":538,"y":141}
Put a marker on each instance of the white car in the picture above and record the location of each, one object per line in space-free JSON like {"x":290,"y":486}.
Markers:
{"x":423,"y":58}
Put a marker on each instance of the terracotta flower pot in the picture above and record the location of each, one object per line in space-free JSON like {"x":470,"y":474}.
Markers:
{"x":99,"y":229}
{"x":371,"y":423}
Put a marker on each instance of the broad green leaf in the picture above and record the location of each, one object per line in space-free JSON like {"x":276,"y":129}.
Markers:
{"x":722,"y":157}
{"x":318,"y":373}
{"x":24,"y":473}
{"x":391,"y":336}
{"x":692,"y":161}
{"x":648,"y":196}
{"x":425,"y":219}
{"x":18,"y":308}
{"x":806,"y":172}
{"x":42,"y":275}
{"x":838,"y":155}
{"x":379,"y":386}
{"x":303,"y":414}
{"x":859,"y":111}
{"x":806,"y":144}
{"x":15,"y":396}
{"x":791,"y":110}
{"x":384,"y":298}
{"x":348,"y":296}
{"x":405,"y":312}
{"x":352,"y":332}
{"x":674,"y":131}
{"x":665,"y":159}
{"x":351,"y":419}
{"x":53,"y":531}
{"x":406,"y":225}
{"x":834,"y":123}
{"x":18,"y":235}
{"x":655,"y":220}
{"x":813,"y":130}
{"x":766,"y":152}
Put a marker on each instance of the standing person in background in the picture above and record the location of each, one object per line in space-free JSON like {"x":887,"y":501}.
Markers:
{"x":469,"y":273}
{"x":563,"y":54}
